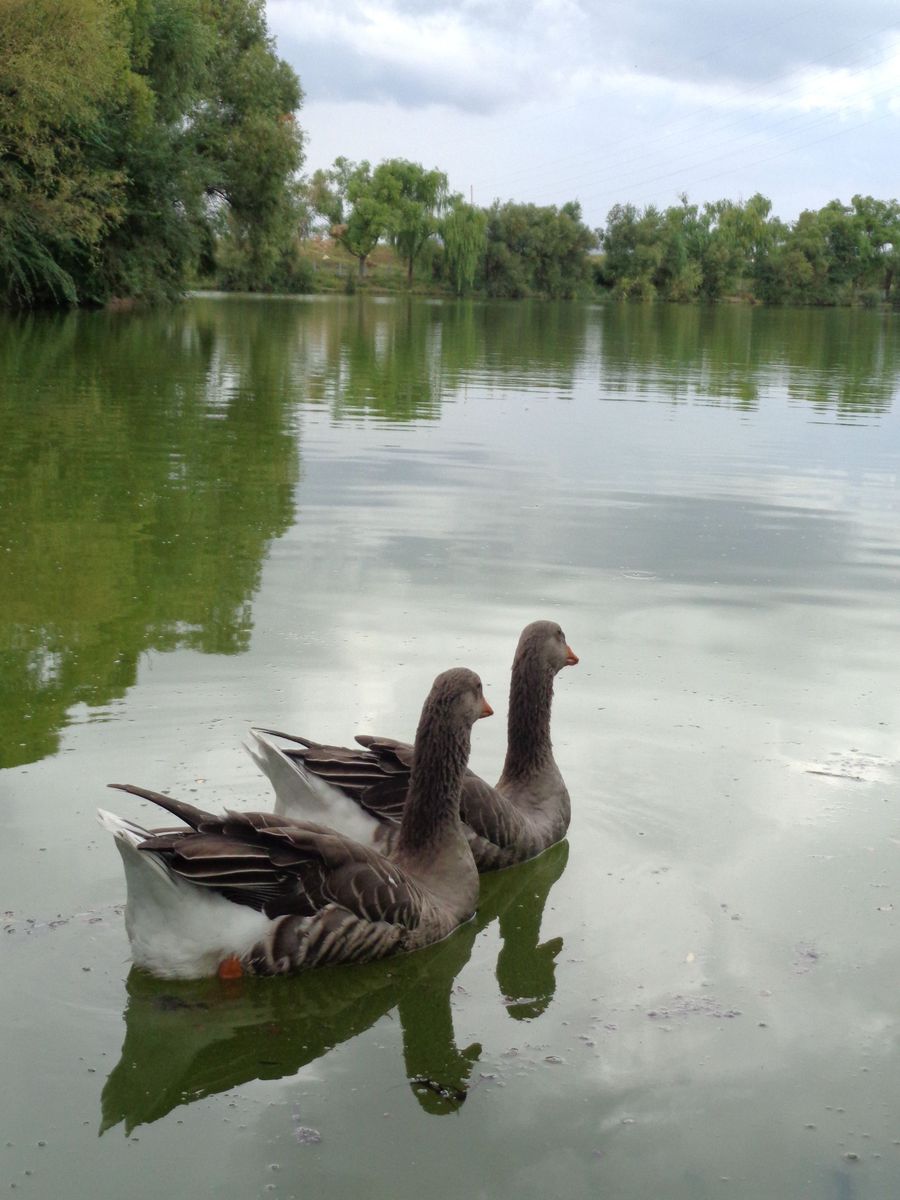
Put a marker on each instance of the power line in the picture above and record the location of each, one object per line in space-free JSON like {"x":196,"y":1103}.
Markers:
{"x":729,"y":150}
{"x":665,"y":135}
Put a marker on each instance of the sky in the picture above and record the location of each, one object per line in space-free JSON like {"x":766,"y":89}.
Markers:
{"x":610,"y":101}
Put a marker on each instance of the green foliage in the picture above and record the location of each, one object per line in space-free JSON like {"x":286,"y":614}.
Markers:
{"x":839,"y":254}
{"x":536,"y":251}
{"x":463,"y":231}
{"x":134,"y":136}
{"x":246,"y":132}
{"x":634,"y":251}
{"x":399,"y":200}
{"x":62,"y":62}
{"x":346,"y":197}
{"x":146,"y":143}
{"x":415,"y":199}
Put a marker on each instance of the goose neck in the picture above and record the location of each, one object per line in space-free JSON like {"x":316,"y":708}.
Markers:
{"x":528,"y":730}
{"x":439,"y":763}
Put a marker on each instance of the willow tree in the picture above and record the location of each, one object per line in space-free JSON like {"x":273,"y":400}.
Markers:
{"x":463,"y":231}
{"x":879,"y":221}
{"x":247,"y":136}
{"x":415,"y":198}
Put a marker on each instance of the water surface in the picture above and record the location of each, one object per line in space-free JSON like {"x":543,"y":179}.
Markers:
{"x":296,"y":512}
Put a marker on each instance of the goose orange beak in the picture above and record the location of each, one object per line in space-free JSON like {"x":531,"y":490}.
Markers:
{"x":486,"y":710}
{"x":571,"y":657}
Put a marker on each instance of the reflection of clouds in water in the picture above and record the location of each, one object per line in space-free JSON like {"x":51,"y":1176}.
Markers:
{"x":765,"y":532}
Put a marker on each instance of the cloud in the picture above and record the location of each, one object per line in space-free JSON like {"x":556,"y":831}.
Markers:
{"x":479,"y":56}
{"x":637,"y":100}
{"x":411,"y":55}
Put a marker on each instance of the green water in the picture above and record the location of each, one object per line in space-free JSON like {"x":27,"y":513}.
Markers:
{"x":296,"y":513}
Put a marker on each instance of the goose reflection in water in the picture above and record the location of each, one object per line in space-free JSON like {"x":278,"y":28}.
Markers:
{"x":188,"y":1040}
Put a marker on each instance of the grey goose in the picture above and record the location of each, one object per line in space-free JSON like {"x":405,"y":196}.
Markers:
{"x":363,"y":789}
{"x":260,"y":893}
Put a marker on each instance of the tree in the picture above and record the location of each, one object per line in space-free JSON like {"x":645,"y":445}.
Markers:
{"x":561,"y":246}
{"x":683,"y":233}
{"x":415,"y":198}
{"x":130,"y":131}
{"x":347,"y":198}
{"x":62,"y":61}
{"x":686,"y":251}
{"x":245,"y":131}
{"x":634,"y":251}
{"x":535,"y":250}
{"x":879,"y":222}
{"x":462,"y":230}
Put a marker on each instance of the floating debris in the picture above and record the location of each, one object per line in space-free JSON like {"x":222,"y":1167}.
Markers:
{"x":852,"y":765}
{"x":445,"y":1090}
{"x":808,"y":957}
{"x":688,"y":1006}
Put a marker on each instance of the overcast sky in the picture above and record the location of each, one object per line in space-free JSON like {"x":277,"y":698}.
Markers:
{"x":607,"y":101}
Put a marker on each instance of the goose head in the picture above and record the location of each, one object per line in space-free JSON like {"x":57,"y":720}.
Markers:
{"x":544,"y":643}
{"x":459,"y":696}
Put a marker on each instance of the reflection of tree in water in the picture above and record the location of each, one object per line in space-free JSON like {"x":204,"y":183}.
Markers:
{"x":399,"y":360}
{"x":848,"y":361}
{"x":184,"y":1041}
{"x":146,"y":464}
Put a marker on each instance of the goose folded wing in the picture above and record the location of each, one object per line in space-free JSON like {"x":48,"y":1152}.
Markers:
{"x":353,"y":771}
{"x":488,"y":813}
{"x":386,"y":795}
{"x":482,"y":808}
{"x":281,"y":867}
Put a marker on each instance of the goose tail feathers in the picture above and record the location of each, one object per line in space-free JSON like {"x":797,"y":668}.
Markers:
{"x":177,"y":930}
{"x":303,"y":796}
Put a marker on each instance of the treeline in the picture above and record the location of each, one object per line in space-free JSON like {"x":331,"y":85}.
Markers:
{"x":146,"y":145}
{"x":839,"y":254}
{"x":508,"y":249}
{"x":142,"y":141}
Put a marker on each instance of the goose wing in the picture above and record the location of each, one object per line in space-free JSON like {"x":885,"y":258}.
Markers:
{"x":280,"y":867}
{"x":391,"y":764}
{"x":375,"y":777}
{"x":495,"y":821}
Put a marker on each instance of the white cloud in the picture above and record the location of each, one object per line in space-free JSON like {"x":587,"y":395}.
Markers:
{"x":556,"y":99}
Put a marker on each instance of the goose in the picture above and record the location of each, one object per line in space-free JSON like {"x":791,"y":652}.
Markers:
{"x":363,"y":791}
{"x":258,"y":893}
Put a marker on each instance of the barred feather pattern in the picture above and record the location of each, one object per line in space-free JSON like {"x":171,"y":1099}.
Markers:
{"x":333,"y":935}
{"x":330,"y":900}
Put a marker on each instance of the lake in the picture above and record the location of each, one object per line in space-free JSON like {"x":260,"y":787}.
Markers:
{"x":295,"y":512}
